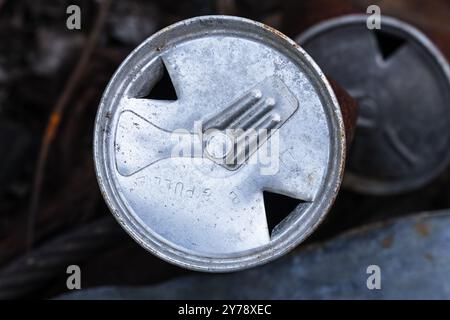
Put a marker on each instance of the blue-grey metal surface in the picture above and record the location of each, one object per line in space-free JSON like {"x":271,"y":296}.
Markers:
{"x":413,"y":254}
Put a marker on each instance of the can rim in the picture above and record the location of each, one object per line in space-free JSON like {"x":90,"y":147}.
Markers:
{"x":294,"y":233}
{"x":356,"y":182}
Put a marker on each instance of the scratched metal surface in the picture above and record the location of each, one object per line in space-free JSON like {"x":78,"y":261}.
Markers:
{"x":196,"y":212}
{"x":36,"y":65}
{"x":412,"y":253}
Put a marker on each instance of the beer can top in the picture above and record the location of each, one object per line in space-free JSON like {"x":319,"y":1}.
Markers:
{"x":198,"y":123}
{"x":402,"y":84}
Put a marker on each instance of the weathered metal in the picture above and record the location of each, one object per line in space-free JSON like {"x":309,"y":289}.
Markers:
{"x":412,"y":254}
{"x":228,"y":73}
{"x":402,"y":84}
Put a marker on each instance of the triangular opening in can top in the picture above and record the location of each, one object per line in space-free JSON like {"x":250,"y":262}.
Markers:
{"x":388,"y":43}
{"x":278,"y":207}
{"x":164,"y":88}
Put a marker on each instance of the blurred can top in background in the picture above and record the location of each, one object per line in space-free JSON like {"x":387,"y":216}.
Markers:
{"x":402,"y":84}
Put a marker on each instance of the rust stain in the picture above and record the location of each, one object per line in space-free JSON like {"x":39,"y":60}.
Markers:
{"x":51,"y":128}
{"x":349,"y":110}
{"x":422,"y":229}
{"x":387,"y":242}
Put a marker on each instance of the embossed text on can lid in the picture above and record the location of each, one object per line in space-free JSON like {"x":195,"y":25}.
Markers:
{"x":185,"y":172}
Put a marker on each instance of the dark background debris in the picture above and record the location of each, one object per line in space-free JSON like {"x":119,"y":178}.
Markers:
{"x":38,"y":56}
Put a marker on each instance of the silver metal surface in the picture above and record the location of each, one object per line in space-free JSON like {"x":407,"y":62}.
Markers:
{"x":402,"y":84}
{"x":199,"y":211}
